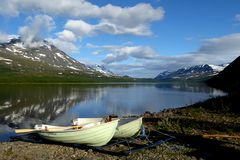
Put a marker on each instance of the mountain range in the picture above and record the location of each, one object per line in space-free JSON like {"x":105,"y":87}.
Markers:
{"x":193,"y":72}
{"x":43,"y":60}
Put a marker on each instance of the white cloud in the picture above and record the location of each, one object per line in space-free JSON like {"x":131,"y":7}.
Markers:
{"x":226,"y":45}
{"x":36,"y":28}
{"x":81,"y":8}
{"x":120,"y":53}
{"x":67,"y":36}
{"x":64,"y":45}
{"x":217,"y":50}
{"x":132,"y":16}
{"x":111,"y":19}
{"x":79,"y":27}
{"x":117,"y":53}
{"x":109,"y":27}
{"x":3,"y":37}
{"x":213,"y":51}
{"x":110,"y":58}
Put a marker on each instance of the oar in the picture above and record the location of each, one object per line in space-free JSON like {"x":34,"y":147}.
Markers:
{"x":45,"y":129}
{"x":26,"y":130}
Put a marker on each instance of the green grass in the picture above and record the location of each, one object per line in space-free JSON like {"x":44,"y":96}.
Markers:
{"x":48,"y":78}
{"x":29,"y":72}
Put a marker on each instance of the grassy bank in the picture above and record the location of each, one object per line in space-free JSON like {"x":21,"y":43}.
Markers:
{"x":219,"y":116}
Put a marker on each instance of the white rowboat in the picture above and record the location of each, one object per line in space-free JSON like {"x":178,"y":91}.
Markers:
{"x":93,"y":133}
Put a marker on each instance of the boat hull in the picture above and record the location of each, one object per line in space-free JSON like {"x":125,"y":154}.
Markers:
{"x":94,"y":136}
{"x":129,"y":128}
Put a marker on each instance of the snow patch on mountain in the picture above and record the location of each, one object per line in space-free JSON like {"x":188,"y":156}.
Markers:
{"x":198,"y":71}
{"x":5,"y":59}
{"x":19,"y":45}
{"x":216,"y":67}
{"x":47,"y":53}
{"x":102,"y":69}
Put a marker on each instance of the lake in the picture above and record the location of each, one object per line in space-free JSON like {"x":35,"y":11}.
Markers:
{"x":25,"y":105}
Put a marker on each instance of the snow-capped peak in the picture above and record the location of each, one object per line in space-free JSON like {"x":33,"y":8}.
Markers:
{"x":217,"y":68}
{"x":102,"y":69}
{"x":42,"y":51}
{"x":197,"y":71}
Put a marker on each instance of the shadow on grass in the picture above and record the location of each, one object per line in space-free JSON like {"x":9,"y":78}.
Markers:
{"x":225,"y":104}
{"x":206,"y":148}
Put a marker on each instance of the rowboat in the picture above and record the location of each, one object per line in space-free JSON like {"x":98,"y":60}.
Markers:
{"x":128,"y":127}
{"x":92,"y":132}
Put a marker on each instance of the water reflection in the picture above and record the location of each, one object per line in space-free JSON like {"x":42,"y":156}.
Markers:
{"x":26,"y":105}
{"x":188,"y":87}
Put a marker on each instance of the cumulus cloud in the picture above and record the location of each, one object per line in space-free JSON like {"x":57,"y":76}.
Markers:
{"x":64,"y":45}
{"x":6,"y":37}
{"x":82,"y":28}
{"x":81,"y":8}
{"x":3,"y":37}
{"x":117,"y":53}
{"x":216,"y":51}
{"x":79,"y":27}
{"x":226,"y":45}
{"x":36,"y":28}
{"x":120,"y":53}
{"x":110,"y":58}
{"x":213,"y":51}
{"x":109,"y":27}
{"x":67,"y":35}
{"x":65,"y":41}
{"x":112,"y":19}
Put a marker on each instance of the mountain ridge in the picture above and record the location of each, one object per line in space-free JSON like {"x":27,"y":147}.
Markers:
{"x":43,"y":60}
{"x":192,"y":72}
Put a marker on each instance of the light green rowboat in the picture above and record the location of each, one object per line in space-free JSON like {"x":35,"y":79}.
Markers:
{"x":93,"y":133}
{"x":128,"y":127}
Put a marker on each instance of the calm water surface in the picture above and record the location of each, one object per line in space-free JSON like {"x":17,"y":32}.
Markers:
{"x":25,"y":105}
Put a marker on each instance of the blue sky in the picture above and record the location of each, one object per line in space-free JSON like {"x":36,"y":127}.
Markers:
{"x":137,"y":38}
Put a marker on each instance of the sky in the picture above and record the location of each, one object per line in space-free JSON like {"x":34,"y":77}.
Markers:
{"x":135,"y":38}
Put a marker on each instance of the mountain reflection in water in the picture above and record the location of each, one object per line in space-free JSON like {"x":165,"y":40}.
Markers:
{"x":25,"y":105}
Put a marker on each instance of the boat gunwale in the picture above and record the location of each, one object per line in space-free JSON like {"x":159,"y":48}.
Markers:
{"x":137,"y":119}
{"x":77,"y":130}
